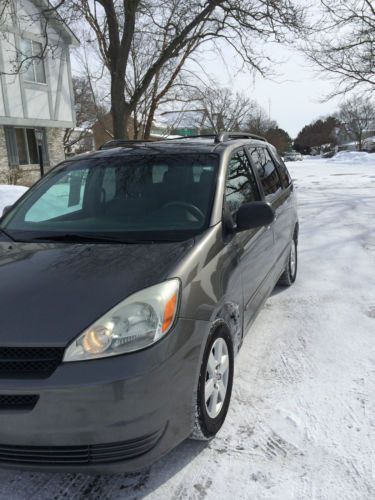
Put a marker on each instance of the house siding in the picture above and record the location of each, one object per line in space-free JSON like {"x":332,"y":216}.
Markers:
{"x":29,"y":104}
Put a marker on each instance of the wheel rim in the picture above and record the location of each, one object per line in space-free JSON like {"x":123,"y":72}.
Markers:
{"x":217,"y":376}
{"x":293,"y":259}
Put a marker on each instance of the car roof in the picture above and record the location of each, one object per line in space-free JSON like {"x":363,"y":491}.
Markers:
{"x":183,"y":145}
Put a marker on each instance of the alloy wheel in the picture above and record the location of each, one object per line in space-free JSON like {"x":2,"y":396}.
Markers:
{"x":217,"y":376}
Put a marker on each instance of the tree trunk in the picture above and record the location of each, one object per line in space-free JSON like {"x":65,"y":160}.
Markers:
{"x":360,"y":142}
{"x":119,"y":111}
{"x":150,"y":119}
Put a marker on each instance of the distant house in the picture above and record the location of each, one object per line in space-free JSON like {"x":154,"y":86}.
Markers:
{"x":347,"y":142}
{"x":103,"y":131}
{"x":79,"y":140}
{"x":40,"y":94}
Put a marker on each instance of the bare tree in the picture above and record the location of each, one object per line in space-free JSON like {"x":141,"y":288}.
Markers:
{"x":216,"y":109}
{"x":258,"y":122}
{"x":344,"y":47}
{"x":88,"y":111}
{"x":171,"y":26}
{"x":356,"y":116}
{"x":87,"y":108}
{"x":167,"y":85}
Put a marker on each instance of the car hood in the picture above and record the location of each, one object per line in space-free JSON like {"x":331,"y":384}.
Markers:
{"x":49,"y":293}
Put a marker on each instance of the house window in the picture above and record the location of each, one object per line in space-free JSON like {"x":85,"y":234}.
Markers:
{"x":22,"y":146}
{"x":33,"y":66}
{"x":26,"y":145}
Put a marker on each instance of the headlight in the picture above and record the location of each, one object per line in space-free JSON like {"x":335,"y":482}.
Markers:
{"x":137,"y":322}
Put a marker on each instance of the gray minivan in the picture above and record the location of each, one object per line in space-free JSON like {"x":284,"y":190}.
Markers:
{"x":128,"y":278}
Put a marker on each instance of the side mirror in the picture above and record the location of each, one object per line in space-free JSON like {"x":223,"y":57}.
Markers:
{"x":6,"y":210}
{"x":253,"y":215}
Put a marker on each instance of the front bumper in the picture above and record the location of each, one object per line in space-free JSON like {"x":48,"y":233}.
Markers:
{"x":109,"y":415}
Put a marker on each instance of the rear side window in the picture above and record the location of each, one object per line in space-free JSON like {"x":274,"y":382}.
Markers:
{"x":283,"y":171}
{"x":241,"y":185}
{"x":267,"y":171}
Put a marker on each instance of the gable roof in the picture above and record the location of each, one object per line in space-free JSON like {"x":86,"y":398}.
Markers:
{"x":57,"y":22}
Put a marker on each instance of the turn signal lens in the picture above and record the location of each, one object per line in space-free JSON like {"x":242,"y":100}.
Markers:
{"x":169,"y":312}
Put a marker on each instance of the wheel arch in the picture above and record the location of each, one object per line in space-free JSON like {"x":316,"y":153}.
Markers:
{"x":230,"y":317}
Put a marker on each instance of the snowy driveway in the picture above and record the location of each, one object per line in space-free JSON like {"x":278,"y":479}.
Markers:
{"x":302,"y":420}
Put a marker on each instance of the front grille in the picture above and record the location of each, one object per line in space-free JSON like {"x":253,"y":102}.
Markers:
{"x":18,"y":402}
{"x":29,"y":362}
{"x":78,"y":455}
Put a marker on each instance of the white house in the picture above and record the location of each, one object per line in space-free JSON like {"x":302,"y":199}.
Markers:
{"x":39,"y":94}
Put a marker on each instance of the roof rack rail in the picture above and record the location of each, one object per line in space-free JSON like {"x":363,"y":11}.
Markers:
{"x":227,"y":136}
{"x":222,"y":137}
{"x":202,"y":136}
{"x":116,"y":143}
{"x":218,"y":138}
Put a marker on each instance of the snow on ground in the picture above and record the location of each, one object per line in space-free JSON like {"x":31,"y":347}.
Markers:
{"x":9,"y":194}
{"x":302,"y":420}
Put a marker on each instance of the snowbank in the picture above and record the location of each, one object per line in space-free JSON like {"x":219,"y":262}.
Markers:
{"x":345,"y":158}
{"x":9,"y":195}
{"x":353,"y":157}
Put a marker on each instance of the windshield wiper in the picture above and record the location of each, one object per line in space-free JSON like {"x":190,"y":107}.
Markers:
{"x":6,"y":234}
{"x":83,"y":238}
{"x":78,"y":238}
{"x":92,"y":238}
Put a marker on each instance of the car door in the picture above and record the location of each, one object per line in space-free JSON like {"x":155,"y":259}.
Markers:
{"x":278,"y":197}
{"x":255,"y":246}
{"x":287,"y":220}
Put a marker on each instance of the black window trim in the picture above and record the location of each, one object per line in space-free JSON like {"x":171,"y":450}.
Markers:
{"x":276,"y":162}
{"x":234,"y":152}
{"x":272,"y":198}
{"x":255,"y":174}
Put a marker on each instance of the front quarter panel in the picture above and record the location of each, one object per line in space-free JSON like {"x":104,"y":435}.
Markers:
{"x":211,"y":283}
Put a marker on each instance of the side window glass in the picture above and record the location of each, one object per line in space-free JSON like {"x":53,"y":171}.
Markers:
{"x":267,"y":172}
{"x":241,"y":185}
{"x":283,"y":171}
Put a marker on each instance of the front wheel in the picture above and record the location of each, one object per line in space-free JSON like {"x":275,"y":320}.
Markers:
{"x":214,"y":387}
{"x":290,"y":272}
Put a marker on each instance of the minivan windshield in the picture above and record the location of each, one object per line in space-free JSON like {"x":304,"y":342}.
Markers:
{"x":143,"y":197}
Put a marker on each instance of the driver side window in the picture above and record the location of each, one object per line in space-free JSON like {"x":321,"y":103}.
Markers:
{"x":241,"y":185}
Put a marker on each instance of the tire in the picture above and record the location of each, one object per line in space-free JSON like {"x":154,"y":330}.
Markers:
{"x":209,"y":417}
{"x":290,"y":272}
